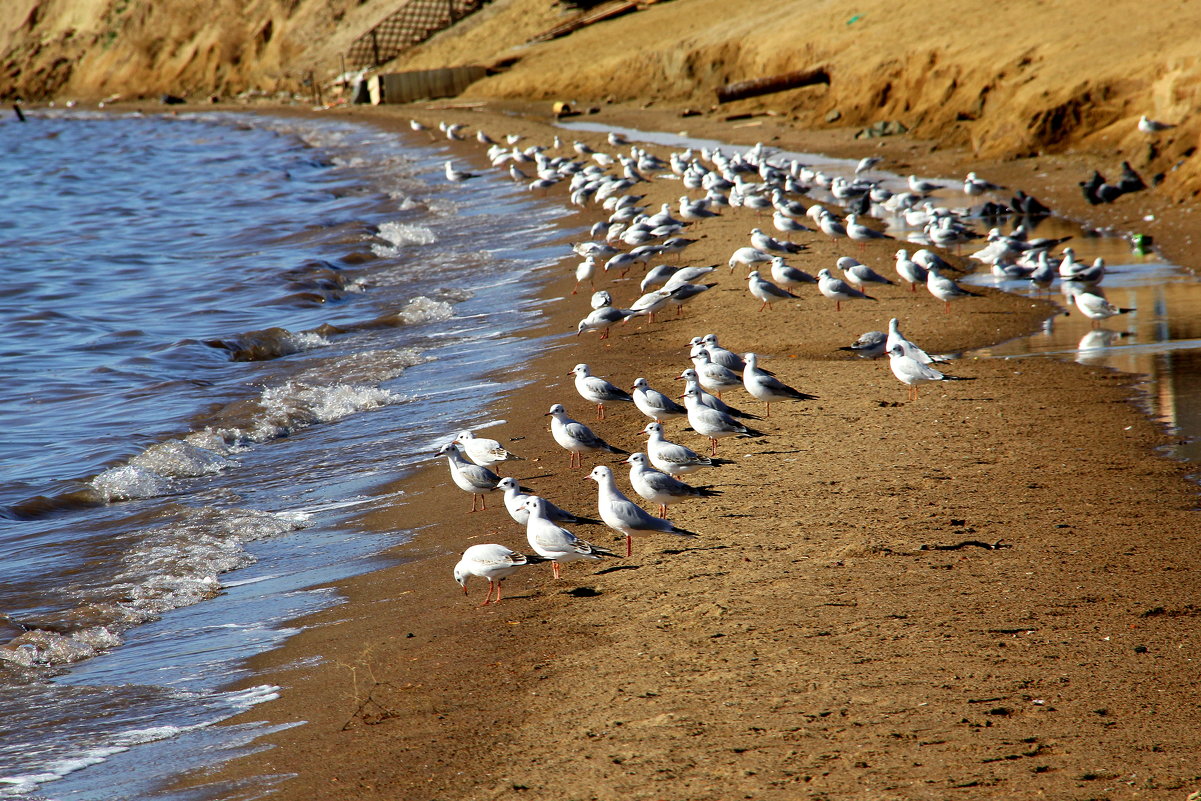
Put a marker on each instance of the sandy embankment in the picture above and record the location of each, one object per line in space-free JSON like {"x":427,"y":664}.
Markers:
{"x":806,"y":644}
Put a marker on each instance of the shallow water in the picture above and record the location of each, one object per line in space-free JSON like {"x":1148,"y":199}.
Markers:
{"x":227,"y":334}
{"x":1160,"y":342}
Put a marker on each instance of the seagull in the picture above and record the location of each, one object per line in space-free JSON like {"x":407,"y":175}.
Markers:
{"x":659,"y":487}
{"x":861,"y":233}
{"x":896,"y":338}
{"x":458,"y":176}
{"x":515,"y":501}
{"x":553,"y":542}
{"x":1095,"y":307}
{"x":765,"y":242}
{"x":912,"y":372}
{"x":575,"y":437}
{"x":857,"y":273}
{"x":602,"y":320}
{"x":788,"y":276}
{"x":945,"y":289}
{"x":768,"y":388}
{"x":600,"y":298}
{"x":711,"y":375}
{"x":765,"y":290}
{"x":975,"y":187}
{"x":922,"y":186}
{"x":711,"y":423}
{"x":671,"y":457}
{"x":838,"y":290}
{"x":866,"y":163}
{"x":748,"y":256}
{"x":686,"y":275}
{"x":869,"y":345}
{"x":597,"y":390}
{"x":909,"y":270}
{"x":692,"y":381}
{"x":492,"y":562}
{"x":469,"y":477}
{"x":623,"y":515}
{"x":585,"y":271}
{"x":830,"y":226}
{"x":1147,"y":125}
{"x":655,"y":404}
{"x":719,"y":355}
{"x":484,"y":452}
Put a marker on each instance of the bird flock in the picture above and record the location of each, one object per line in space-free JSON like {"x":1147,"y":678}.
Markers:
{"x":635,"y":237}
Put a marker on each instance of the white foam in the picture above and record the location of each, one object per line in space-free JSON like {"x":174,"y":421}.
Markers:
{"x":399,"y":235}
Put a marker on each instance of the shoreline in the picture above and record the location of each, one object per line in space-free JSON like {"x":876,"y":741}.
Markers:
{"x":440,"y":687}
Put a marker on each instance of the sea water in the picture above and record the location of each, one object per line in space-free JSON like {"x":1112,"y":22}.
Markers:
{"x":222,"y":335}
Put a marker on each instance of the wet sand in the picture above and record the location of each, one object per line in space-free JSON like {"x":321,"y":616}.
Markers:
{"x":837,"y":630}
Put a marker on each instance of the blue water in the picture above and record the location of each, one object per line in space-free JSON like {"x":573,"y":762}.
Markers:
{"x":224,"y":335}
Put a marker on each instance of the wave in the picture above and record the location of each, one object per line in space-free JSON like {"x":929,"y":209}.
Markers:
{"x":169,"y":567}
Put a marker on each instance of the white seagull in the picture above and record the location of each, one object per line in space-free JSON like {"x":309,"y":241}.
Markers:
{"x":597,"y":390}
{"x":896,"y":338}
{"x":768,"y":388}
{"x":483,"y":451}
{"x":765,"y":290}
{"x":655,"y":404}
{"x":711,"y":423}
{"x":870,"y":345}
{"x":1148,"y":125}
{"x":575,"y":437}
{"x":945,"y":289}
{"x":515,"y":504}
{"x":553,"y":542}
{"x":468,"y":476}
{"x":838,"y":290}
{"x":671,"y":457}
{"x":748,"y":257}
{"x":659,"y":487}
{"x":492,"y":562}
{"x":711,"y":375}
{"x":623,"y":515}
{"x":1095,"y":307}
{"x":458,"y":176}
{"x":911,"y":372}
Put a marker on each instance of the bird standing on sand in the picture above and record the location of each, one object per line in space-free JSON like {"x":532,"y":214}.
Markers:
{"x":671,"y":457}
{"x":748,"y":257}
{"x":597,"y":390}
{"x":515,"y":503}
{"x":1148,"y":125}
{"x":711,"y":423}
{"x":555,"y":543}
{"x":909,"y":270}
{"x":911,"y":372}
{"x":859,"y":274}
{"x":623,"y":515}
{"x":945,"y":289}
{"x":468,"y":476}
{"x":483,"y":451}
{"x":492,"y":562}
{"x":655,"y":404}
{"x":768,"y":388}
{"x":575,"y":437}
{"x":765,"y":290}
{"x":838,"y":290}
{"x":659,"y":487}
{"x":869,"y":345}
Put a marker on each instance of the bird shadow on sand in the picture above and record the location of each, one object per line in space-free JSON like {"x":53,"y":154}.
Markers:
{"x":616,"y":568}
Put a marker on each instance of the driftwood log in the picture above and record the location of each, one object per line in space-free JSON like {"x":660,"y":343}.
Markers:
{"x":773,"y":83}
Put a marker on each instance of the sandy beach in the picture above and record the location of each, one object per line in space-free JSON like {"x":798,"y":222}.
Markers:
{"x":836,"y":630}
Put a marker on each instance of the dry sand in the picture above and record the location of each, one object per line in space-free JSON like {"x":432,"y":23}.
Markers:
{"x":819,"y":639}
